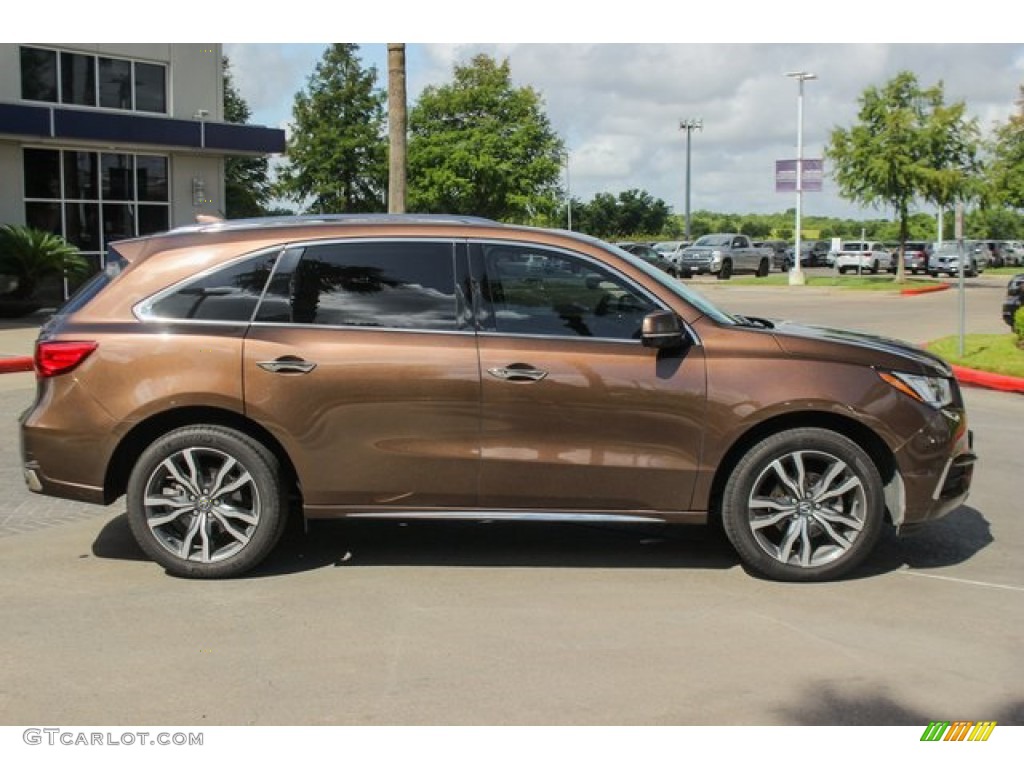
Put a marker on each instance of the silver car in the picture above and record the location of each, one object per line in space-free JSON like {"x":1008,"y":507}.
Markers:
{"x":948,"y":256}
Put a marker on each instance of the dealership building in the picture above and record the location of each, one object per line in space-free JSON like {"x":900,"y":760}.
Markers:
{"x":100,"y":142}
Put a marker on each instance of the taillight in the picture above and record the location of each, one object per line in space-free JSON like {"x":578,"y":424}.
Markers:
{"x":56,"y":357}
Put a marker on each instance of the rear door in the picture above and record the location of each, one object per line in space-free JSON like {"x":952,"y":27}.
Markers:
{"x":576,"y":413}
{"x":362,"y":362}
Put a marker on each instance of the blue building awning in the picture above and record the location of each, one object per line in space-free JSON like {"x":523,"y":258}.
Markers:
{"x":30,"y":121}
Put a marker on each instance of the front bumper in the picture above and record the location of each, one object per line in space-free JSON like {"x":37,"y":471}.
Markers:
{"x":936,"y":468}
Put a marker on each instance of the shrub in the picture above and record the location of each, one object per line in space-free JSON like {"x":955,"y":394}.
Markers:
{"x":29,"y":255}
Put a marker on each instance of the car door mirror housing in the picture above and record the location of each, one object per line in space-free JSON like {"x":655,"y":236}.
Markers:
{"x":662,"y":330}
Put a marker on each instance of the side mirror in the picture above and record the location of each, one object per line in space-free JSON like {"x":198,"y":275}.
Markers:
{"x":662,"y":330}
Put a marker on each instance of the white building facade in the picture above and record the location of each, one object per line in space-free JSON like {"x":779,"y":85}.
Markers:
{"x":100,"y":142}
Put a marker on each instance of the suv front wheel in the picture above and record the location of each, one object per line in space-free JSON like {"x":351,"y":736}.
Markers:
{"x":804,"y":505}
{"x":206,"y":502}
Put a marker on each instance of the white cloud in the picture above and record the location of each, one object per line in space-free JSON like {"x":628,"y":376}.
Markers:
{"x":618,"y":106}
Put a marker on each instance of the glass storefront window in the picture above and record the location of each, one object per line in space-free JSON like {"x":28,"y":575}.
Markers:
{"x":87,"y":80}
{"x":116,"y":83}
{"x":150,"y":87}
{"x":38,"y":74}
{"x":118,"y":177}
{"x":42,"y":174}
{"x":151,"y":173}
{"x":80,"y":177}
{"x":95,"y":198}
{"x":78,"y":79}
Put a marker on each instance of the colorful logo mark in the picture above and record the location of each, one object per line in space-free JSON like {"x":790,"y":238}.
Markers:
{"x":958,"y":730}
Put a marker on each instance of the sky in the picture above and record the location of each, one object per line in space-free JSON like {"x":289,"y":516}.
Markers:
{"x":616,"y":84}
{"x":618,"y":107}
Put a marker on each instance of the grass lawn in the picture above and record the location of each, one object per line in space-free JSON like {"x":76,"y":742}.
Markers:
{"x":1008,"y":271}
{"x":850,"y":281}
{"x":994,"y":353}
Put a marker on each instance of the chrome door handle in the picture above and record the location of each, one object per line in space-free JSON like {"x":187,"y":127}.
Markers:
{"x":287,"y":364}
{"x":517,"y":372}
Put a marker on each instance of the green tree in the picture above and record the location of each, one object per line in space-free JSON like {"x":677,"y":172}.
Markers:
{"x":907,"y":145}
{"x":247,"y":184}
{"x":30,"y":255}
{"x":1006,"y":170}
{"x":480,"y":146}
{"x":337,"y":152}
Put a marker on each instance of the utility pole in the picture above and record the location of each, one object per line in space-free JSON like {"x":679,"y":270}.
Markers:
{"x":397,"y":119}
{"x":796,"y":275}
{"x":689,"y":125}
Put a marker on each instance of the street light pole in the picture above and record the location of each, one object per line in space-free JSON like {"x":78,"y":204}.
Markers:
{"x":568,"y":191}
{"x":689,"y":125}
{"x":796,"y":275}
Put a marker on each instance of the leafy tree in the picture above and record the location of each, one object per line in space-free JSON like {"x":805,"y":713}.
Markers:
{"x":1006,"y":171}
{"x":30,"y":255}
{"x":480,"y":146}
{"x":337,"y":151}
{"x":633,"y":213}
{"x":247,"y":184}
{"x":907,"y":145}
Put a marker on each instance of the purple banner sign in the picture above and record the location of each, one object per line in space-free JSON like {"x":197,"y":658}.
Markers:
{"x":785,"y":175}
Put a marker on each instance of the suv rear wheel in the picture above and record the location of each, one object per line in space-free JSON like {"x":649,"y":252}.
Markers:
{"x":206,"y":502}
{"x":803,"y":505}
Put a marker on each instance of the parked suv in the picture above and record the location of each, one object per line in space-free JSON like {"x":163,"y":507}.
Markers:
{"x":1014,"y":298}
{"x":448,"y":367}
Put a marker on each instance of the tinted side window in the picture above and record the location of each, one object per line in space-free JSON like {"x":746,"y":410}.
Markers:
{"x":392,"y":284}
{"x":230,"y":293}
{"x":540,"y":292}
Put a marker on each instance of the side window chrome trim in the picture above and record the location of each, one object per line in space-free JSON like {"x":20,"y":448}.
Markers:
{"x":361,"y":328}
{"x":143,"y":309}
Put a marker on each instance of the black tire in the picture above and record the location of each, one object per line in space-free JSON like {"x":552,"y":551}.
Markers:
{"x":842,"y":270}
{"x":804,"y":529}
{"x":726,"y":271}
{"x":763,"y":268}
{"x":874,"y":268}
{"x":206,"y":501}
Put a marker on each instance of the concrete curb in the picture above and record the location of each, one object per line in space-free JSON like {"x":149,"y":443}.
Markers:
{"x":988,"y":380}
{"x":925,"y":289}
{"x":15,"y":364}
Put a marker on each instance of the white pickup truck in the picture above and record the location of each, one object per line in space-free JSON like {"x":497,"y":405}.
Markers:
{"x":723,"y":255}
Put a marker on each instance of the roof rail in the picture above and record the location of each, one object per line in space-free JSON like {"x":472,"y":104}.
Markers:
{"x":212,"y":224}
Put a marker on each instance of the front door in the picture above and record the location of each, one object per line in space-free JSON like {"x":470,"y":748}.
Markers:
{"x":577,"y":415}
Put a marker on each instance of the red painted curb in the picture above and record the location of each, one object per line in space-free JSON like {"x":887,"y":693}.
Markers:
{"x":15,"y":364}
{"x":988,"y":380}
{"x":924,"y":289}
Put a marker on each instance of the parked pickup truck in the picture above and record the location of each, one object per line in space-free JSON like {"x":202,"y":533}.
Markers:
{"x":724,"y":255}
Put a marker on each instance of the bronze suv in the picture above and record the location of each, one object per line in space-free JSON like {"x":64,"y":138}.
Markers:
{"x":452,"y":367}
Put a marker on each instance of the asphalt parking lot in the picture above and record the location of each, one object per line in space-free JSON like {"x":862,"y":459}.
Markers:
{"x":470,"y":623}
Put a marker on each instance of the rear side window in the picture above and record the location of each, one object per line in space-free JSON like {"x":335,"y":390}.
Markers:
{"x":391,"y":284}
{"x":226,"y":294}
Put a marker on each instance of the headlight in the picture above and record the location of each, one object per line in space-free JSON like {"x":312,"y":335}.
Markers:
{"x":716,"y":255}
{"x":931,"y":390}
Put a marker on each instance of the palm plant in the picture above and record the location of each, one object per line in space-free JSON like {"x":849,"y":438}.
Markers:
{"x":30,"y":255}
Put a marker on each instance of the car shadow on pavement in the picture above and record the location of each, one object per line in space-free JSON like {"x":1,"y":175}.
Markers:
{"x":954,"y":539}
{"x":500,"y":544}
{"x":367,"y":543}
{"x":825,"y":704}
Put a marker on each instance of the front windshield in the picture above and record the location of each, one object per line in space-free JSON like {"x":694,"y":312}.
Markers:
{"x":687,"y":294}
{"x":714,"y":240}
